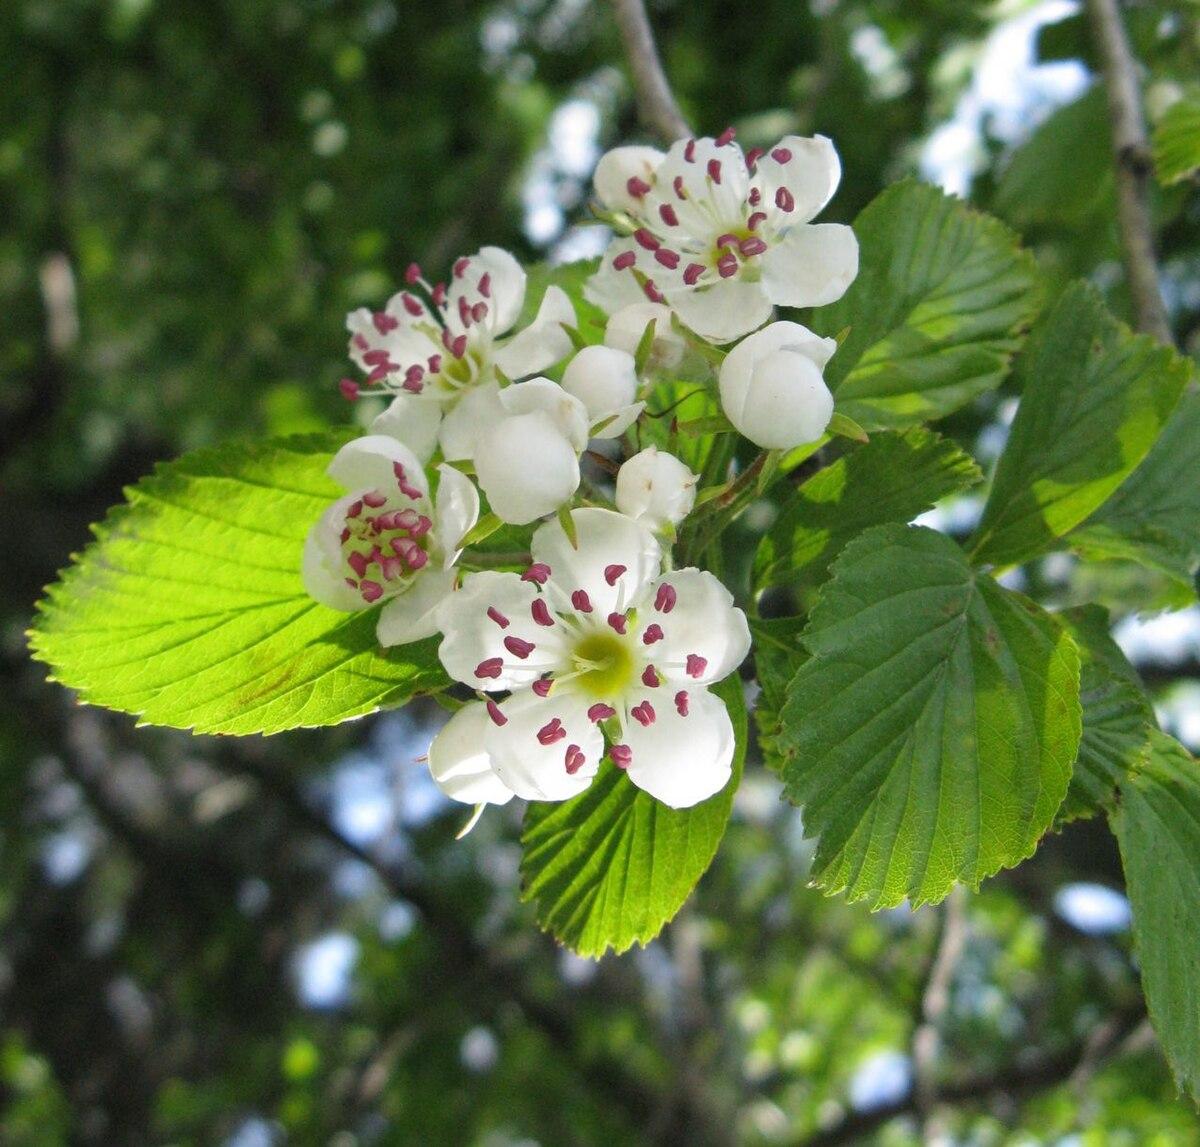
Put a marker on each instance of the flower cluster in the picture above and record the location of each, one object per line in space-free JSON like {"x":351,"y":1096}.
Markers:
{"x":594,"y":647}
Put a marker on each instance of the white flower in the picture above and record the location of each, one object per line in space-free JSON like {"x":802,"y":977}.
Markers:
{"x":656,"y":488}
{"x":605,"y":380}
{"x":384,"y":541}
{"x":720,"y":236}
{"x":596,"y":645}
{"x":626,"y":327}
{"x":772,"y":388}
{"x":435,"y":347}
{"x":527,"y":456}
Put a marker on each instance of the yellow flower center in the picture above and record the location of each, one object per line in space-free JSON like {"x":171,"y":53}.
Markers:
{"x":604,"y":665}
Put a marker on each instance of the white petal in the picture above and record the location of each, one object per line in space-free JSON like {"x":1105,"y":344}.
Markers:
{"x":478,"y":409}
{"x":473,"y":636}
{"x":413,"y":420}
{"x":405,"y":345}
{"x":460,"y":765}
{"x":811,"y":176}
{"x":412,"y":615}
{"x":616,"y":168}
{"x":785,"y":402}
{"x":724,"y":311}
{"x":367,"y":463}
{"x":627,"y":326}
{"x":612,"y":290}
{"x":606,"y":539}
{"x":616,"y":422}
{"x":526,"y":467}
{"x":455,"y":511}
{"x":321,"y":565}
{"x":537,"y":771}
{"x":506,"y":290}
{"x":739,"y":363}
{"x":656,"y":488}
{"x":540,"y":394}
{"x":541,"y":344}
{"x":682,"y":760}
{"x":703,"y":623}
{"x":603,"y":378}
{"x":810,"y":266}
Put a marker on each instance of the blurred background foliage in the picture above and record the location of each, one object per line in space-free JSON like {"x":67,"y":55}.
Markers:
{"x":259,"y":942}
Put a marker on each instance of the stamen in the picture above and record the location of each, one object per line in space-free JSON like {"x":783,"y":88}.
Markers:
{"x":643,"y":714}
{"x":539,"y":572}
{"x":492,"y":667}
{"x":541,"y":612}
{"x":460,"y":267}
{"x":479,"y":312}
{"x":421,"y":526}
{"x":650,"y":677}
{"x":376,"y":357}
{"x":374,"y":499}
{"x":669,"y":259}
{"x":371,"y":591}
{"x":617,"y":621}
{"x":622,"y":756}
{"x":727,"y":240}
{"x":753,"y":156}
{"x":392,"y":568}
{"x":411,"y":305}
{"x":624,"y":260}
{"x":645,"y":239}
{"x":781,"y":155}
{"x":680,"y":191}
{"x":751,"y":247}
{"x":354,"y":509}
{"x":380,"y":372}
{"x":725,"y":137}
{"x":692,"y":273}
{"x":551,"y":731}
{"x":714,"y":170}
{"x":755,"y":197}
{"x":601,"y":712}
{"x":727,"y":265}
{"x":357,"y":562}
{"x":542,"y":686}
{"x":689,"y":151}
{"x":611,"y":573}
{"x":518,"y":647}
{"x":384,"y":323}
{"x":349,"y":389}
{"x":637,"y":187}
{"x":667,"y":214}
{"x":435,"y":364}
{"x":439,"y":295}
{"x":696,"y":665}
{"x":575,"y":759}
{"x":485,"y":285}
{"x":581,"y":601}
{"x":653,"y":633}
{"x":412,"y":274}
{"x":496,"y":715}
{"x":498,"y":617}
{"x":652,"y":292}
{"x":681,"y":702}
{"x":664,"y":600}
{"x":784,"y":199}
{"x":755,"y":219}
{"x":417,"y":557}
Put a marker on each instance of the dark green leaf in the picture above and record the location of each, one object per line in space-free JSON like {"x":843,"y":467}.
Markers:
{"x":931,"y":736}
{"x":1094,"y":400}
{"x":942,"y":296}
{"x":610,"y":867}
{"x":1177,"y":141}
{"x":893,"y":478}
{"x":1158,"y":826}
{"x":188,"y":609}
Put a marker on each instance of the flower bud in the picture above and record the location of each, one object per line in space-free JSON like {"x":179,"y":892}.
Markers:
{"x":626,"y":328}
{"x":655,"y":488}
{"x":772,"y":388}
{"x":605,"y":381}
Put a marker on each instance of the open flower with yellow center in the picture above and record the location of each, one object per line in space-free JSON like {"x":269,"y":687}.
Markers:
{"x":600,"y":653}
{"x":720,"y":236}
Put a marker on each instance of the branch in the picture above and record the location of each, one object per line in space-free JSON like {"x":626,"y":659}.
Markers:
{"x":1131,"y":151}
{"x":1048,"y":1071}
{"x":657,"y":108}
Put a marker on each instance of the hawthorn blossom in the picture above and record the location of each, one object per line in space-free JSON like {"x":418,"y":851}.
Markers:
{"x":605,"y":380}
{"x":384,"y":541}
{"x":772,"y":388}
{"x":656,"y":488}
{"x":722,"y":237}
{"x":439,"y":350}
{"x":600,"y":653}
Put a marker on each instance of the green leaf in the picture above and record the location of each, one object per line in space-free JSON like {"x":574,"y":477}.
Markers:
{"x":1117,"y":716}
{"x":1094,"y":400}
{"x":1176,"y":141}
{"x":942,"y":296}
{"x":1154,"y":518}
{"x":893,"y":478}
{"x":1062,"y":175}
{"x":188,"y":608}
{"x":930,"y":738}
{"x":778,"y":654}
{"x":570,"y":277}
{"x":610,"y":867}
{"x":1158,"y":827}
{"x":481,"y":531}
{"x":844,"y":427}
